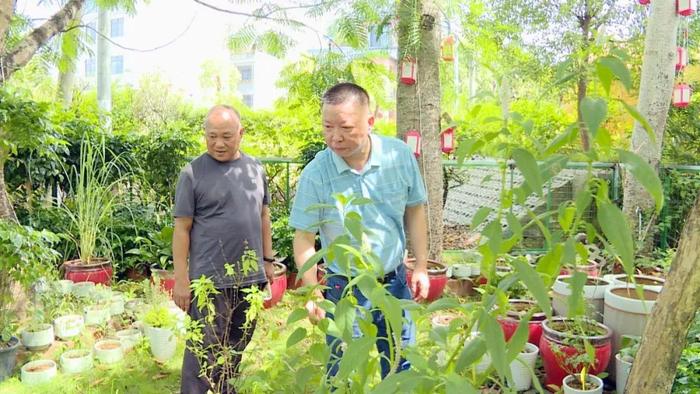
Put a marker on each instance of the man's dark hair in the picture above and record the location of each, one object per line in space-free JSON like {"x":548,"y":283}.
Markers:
{"x":344,"y":91}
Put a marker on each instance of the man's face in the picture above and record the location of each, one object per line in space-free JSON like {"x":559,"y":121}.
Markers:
{"x":346,"y":128}
{"x":223,"y":134}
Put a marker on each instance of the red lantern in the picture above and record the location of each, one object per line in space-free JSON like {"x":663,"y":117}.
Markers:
{"x":681,"y":95}
{"x":644,"y":2}
{"x":413,"y":141}
{"x":448,"y":49}
{"x":408,"y":71}
{"x":686,"y":7}
{"x":447,"y":140}
{"x":681,"y":58}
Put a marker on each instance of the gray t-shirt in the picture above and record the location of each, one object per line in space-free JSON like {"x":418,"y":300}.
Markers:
{"x":225,"y":201}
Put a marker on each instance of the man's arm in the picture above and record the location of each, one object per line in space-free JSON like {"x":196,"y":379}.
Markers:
{"x":304,"y":248}
{"x":181,"y":250}
{"x":418,"y":233}
{"x":267,"y":242}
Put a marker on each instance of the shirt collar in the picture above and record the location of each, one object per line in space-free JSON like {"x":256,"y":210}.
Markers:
{"x":375,"y":156}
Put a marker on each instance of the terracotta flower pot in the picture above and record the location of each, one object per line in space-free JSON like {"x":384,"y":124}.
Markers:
{"x":277,"y":287}
{"x":558,"y":346}
{"x":518,"y":308}
{"x":98,"y":271}
{"x":437,"y":274}
{"x":166,"y":278}
{"x":292,"y":282}
{"x":590,"y":269}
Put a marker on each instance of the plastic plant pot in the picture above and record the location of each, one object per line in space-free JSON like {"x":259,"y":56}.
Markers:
{"x":129,"y":337}
{"x":594,"y":385}
{"x":278,"y":286}
{"x":593,"y":292}
{"x":162,"y":341}
{"x":68,"y":326}
{"x":39,"y":339}
{"x":39,"y":371}
{"x":76,"y":361}
{"x":109,"y":351}
{"x":8,"y":358}
{"x":83,"y":289}
{"x":521,"y":367}
{"x":590,"y":269}
{"x":96,"y":315}
{"x":64,"y":286}
{"x":437,"y":274}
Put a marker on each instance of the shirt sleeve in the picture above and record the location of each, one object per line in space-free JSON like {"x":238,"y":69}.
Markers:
{"x":184,"y":194}
{"x":301,"y":218}
{"x":266,"y":191}
{"x":416,"y":188}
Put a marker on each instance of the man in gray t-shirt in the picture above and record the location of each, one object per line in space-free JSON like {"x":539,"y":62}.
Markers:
{"x":221,"y":218}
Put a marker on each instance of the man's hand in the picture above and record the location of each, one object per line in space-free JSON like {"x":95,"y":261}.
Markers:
{"x":420,"y":284}
{"x":181,"y":292}
{"x":269,"y":271}
{"x":316,"y":313}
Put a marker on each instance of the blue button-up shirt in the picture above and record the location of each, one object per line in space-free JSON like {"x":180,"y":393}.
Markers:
{"x":390,"y":179}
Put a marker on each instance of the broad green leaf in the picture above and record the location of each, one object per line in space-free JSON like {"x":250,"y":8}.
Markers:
{"x":355,"y":356}
{"x":313,"y":260}
{"x":642,"y":120}
{"x":480,"y":215}
{"x":495,"y":343}
{"x":594,"y":112}
{"x":614,"y":225}
{"x":567,"y":213}
{"x":473,"y":350}
{"x":602,"y":138}
{"x":517,"y":342}
{"x":297,"y":335}
{"x":576,"y":301}
{"x":617,"y":68}
{"x":514,"y":225}
{"x":528,"y":167}
{"x":645,"y":174}
{"x":442,"y":304}
{"x":296,"y":315}
{"x":583,"y":201}
{"x":345,"y":317}
{"x":534,"y":284}
{"x":467,"y":147}
{"x":455,"y":384}
{"x":549,"y":264}
{"x":605,"y":76}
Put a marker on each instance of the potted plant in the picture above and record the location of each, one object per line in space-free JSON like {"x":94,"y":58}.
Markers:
{"x":39,"y":371}
{"x":569,"y":344}
{"x":116,"y":303}
{"x":627,"y":310}
{"x":96,"y":314}
{"x":521,"y":368}
{"x":68,"y":326}
{"x":516,"y":310}
{"x":109,"y":351}
{"x":159,"y":325}
{"x":25,"y":256}
{"x":624,"y":359}
{"x":437,"y":274}
{"x":593,"y":293}
{"x":38,"y":335}
{"x":278,"y":285}
{"x":89,"y":208}
{"x":76,"y":361}
{"x":129,"y":337}
{"x":583,"y":383}
{"x":156,"y":252}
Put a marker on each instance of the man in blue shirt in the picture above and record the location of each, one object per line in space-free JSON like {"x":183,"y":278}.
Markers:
{"x":384,"y":170}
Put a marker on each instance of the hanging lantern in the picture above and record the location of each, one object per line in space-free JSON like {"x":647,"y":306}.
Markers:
{"x":447,"y":140}
{"x":413,"y":140}
{"x":644,"y":2}
{"x":681,"y":58}
{"x":681,"y":95}
{"x":686,"y":7}
{"x":448,"y":49}
{"x":408,"y":71}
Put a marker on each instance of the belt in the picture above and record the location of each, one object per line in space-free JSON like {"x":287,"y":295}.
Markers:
{"x":382,"y":279}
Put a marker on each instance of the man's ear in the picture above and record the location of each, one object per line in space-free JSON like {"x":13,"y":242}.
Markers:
{"x":370,"y":121}
{"x":241,"y":131}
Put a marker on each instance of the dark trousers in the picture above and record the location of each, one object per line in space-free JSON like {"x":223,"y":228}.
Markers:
{"x":224,"y":336}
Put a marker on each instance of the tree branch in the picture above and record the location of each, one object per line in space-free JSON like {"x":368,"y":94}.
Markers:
{"x":20,"y":56}
{"x":6,"y":11}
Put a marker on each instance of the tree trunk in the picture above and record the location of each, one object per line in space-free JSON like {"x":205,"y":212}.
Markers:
{"x":21,"y":54}
{"x":104,"y":75}
{"x":653,"y":371}
{"x":418,"y":108}
{"x":655,"y":90}
{"x":7,"y":212}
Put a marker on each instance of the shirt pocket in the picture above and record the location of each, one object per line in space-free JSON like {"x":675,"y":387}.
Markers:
{"x":392,"y":197}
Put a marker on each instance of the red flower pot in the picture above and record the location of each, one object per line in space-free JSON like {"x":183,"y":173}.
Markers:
{"x":99,"y":271}
{"x":166,"y":278}
{"x":277,"y":287}
{"x":518,"y":308}
{"x":437,"y":274}
{"x":292,"y":282}
{"x":590,"y":269}
{"x":559,"y":347}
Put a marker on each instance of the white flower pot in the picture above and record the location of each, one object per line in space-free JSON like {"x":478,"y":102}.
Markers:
{"x":96,"y":315}
{"x":591,"y":380}
{"x":64,"y":286}
{"x":129,"y":337}
{"x":38,"y":340}
{"x":622,"y":372}
{"x":76,"y":361}
{"x":461,"y":271}
{"x":39,"y":371}
{"x":83,"y":289}
{"x":162,"y":341}
{"x":626,"y":314}
{"x":109,"y":351}
{"x":101,"y":294}
{"x":594,"y":294}
{"x":521,"y":367}
{"x":68,"y":326}
{"x":646,"y":281}
{"x":116,"y":305}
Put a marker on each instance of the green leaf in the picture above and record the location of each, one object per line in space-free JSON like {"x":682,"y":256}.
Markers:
{"x":473,"y":350}
{"x":642,"y":120}
{"x":550,"y":263}
{"x":534,"y":284}
{"x":313,"y":260}
{"x":645,"y":174}
{"x":594,"y":112}
{"x":577,"y":306}
{"x":296,"y":315}
{"x":528,"y":167}
{"x":355,"y":356}
{"x":455,"y":384}
{"x":467,"y":147}
{"x":495,"y":343}
{"x":345,"y":317}
{"x":480,"y":215}
{"x":296,"y":337}
{"x":566,"y":216}
{"x":568,"y":136}
{"x":602,"y":138}
{"x":605,"y":76}
{"x":614,"y":225}
{"x":517,"y":342}
{"x":618,"y":69}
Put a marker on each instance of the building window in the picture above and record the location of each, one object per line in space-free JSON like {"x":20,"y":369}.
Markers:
{"x":117,"y":26}
{"x":246,"y":73}
{"x":248,"y":100}
{"x":377,"y":41}
{"x":92,"y":30}
{"x":117,"y":65}
{"x":90,"y":67}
